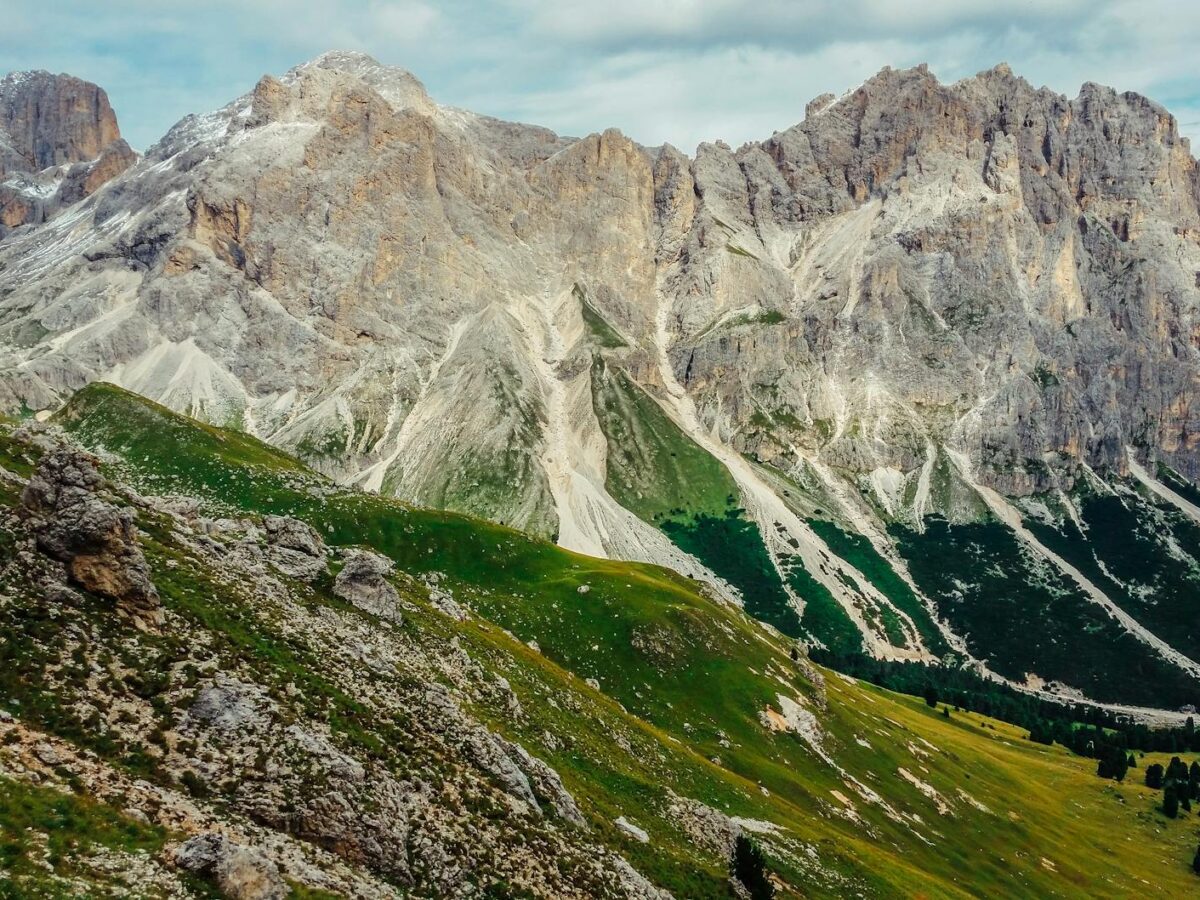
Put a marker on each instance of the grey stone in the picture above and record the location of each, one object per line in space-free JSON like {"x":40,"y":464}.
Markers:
{"x":94,"y":538}
{"x":362,"y":582}
{"x":242,"y":873}
{"x":293,"y":534}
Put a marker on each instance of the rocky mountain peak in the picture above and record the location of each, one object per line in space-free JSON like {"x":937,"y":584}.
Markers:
{"x":59,"y":141}
{"x":398,"y":86}
{"x":52,"y":120}
{"x":354,"y":62}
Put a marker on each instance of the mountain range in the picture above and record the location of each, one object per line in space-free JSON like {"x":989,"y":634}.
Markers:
{"x":296,"y":404}
{"x":911,"y":379}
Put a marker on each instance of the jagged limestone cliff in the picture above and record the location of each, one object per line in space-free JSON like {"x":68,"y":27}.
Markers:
{"x":59,"y":142}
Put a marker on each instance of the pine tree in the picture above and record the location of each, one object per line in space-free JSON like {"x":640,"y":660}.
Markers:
{"x":1196,"y":862}
{"x":1154,"y":776}
{"x":1120,"y":763}
{"x":1170,"y":804}
{"x":1113,"y":763}
{"x":1176,"y":770}
{"x":931,"y":696}
{"x":1131,"y":762}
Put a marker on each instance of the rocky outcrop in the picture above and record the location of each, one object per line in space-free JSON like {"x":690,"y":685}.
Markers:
{"x":705,"y":827}
{"x":59,"y":142}
{"x":362,"y":581}
{"x":242,"y":873}
{"x":547,"y":786}
{"x":95,"y":539}
{"x":52,"y":120}
{"x":295,"y":547}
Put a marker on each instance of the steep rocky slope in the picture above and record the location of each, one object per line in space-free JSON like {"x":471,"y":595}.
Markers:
{"x":930,"y":322}
{"x":331,"y":693}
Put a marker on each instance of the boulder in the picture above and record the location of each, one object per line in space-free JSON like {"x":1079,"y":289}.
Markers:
{"x":241,"y":872}
{"x":231,"y":706}
{"x":284,"y":531}
{"x":362,"y":582}
{"x":295,"y":547}
{"x":94,"y":538}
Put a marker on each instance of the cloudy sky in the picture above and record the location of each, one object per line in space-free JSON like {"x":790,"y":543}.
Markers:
{"x":661,"y":70}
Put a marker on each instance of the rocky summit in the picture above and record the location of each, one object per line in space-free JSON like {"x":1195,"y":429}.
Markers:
{"x":59,"y":142}
{"x":906,"y":387}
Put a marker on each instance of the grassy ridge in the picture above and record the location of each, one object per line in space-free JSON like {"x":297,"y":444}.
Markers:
{"x":654,"y":469}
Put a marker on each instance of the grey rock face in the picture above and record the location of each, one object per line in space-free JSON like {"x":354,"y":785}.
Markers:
{"x":707,"y":827}
{"x":296,"y":548}
{"x":362,"y":583}
{"x":953,"y":263}
{"x":366,"y":813}
{"x":242,"y":873}
{"x":53,"y":120}
{"x":548,"y":786}
{"x":96,"y":540}
{"x":59,"y":142}
{"x":229,"y":705}
{"x":293,"y":534}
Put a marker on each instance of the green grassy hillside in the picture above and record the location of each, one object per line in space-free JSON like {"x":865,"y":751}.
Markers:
{"x":635,"y":687}
{"x":667,"y":479}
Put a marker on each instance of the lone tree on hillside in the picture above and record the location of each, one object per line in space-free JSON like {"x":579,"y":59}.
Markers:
{"x":750,"y":868}
{"x":1170,"y":804}
{"x":1154,"y":776}
{"x":1177,"y":770}
{"x":1113,"y":763}
{"x":931,"y":696}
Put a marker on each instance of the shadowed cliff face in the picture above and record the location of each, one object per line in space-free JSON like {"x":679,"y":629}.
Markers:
{"x":59,"y":142}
